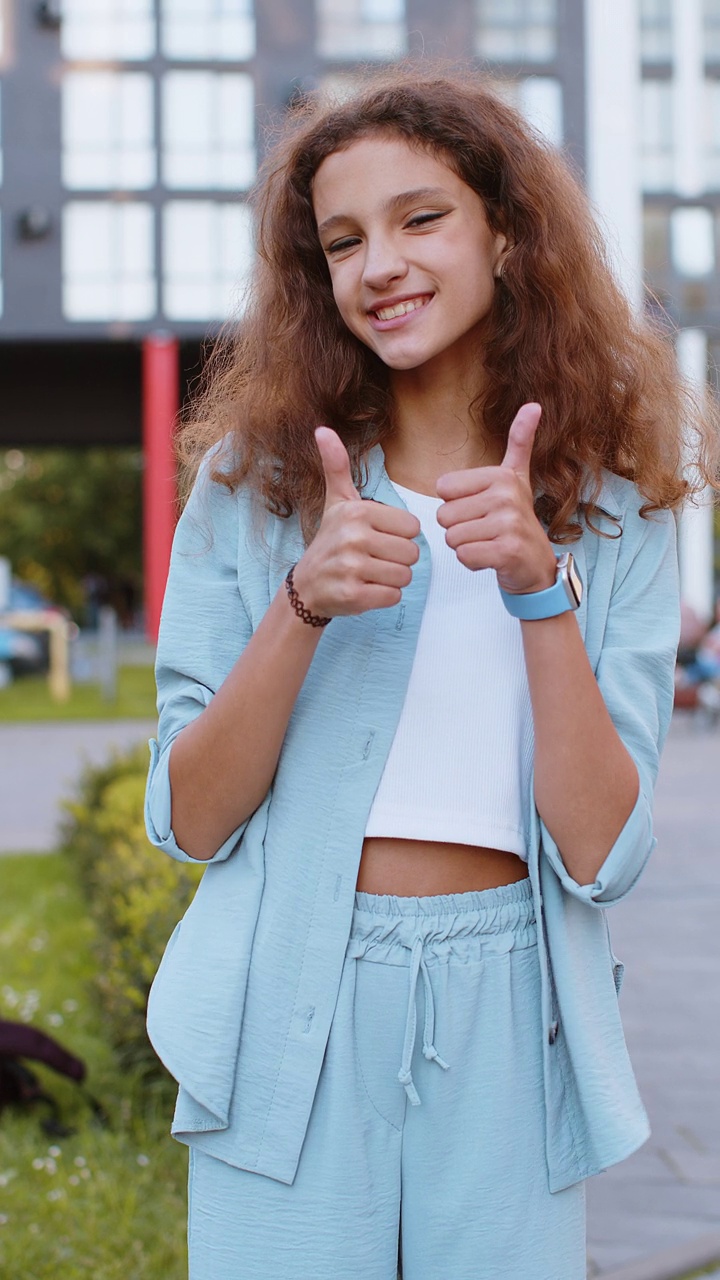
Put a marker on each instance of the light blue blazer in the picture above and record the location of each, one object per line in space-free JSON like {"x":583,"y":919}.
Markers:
{"x":242,"y":1004}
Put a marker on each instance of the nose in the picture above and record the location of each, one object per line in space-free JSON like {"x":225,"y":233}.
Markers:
{"x":384,"y":262}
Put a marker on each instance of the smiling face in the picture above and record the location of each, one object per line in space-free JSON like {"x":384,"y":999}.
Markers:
{"x":412,"y":257}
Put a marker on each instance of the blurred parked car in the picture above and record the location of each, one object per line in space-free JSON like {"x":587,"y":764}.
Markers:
{"x":24,"y":651}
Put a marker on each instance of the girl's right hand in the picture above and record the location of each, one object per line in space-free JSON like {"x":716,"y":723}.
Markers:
{"x":361,"y":555}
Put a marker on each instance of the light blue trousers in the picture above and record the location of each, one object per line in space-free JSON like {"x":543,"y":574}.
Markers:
{"x":428,"y":1128}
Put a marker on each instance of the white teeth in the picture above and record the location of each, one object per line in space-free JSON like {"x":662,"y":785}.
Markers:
{"x":400,"y":308}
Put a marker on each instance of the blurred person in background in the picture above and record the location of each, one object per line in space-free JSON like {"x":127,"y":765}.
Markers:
{"x":703,"y":660}
{"x":415,"y":670}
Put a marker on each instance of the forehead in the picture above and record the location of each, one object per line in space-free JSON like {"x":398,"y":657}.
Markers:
{"x":375,"y":168}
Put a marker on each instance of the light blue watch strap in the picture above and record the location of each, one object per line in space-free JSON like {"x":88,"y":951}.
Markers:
{"x":538,"y":604}
{"x":559,"y":598}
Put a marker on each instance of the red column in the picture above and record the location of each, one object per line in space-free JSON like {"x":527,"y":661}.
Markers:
{"x":161,"y":400}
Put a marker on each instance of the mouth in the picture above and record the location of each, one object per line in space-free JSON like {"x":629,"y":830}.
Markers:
{"x":398,"y":310}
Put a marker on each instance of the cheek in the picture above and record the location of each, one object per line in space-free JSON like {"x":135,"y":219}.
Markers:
{"x":343,"y":302}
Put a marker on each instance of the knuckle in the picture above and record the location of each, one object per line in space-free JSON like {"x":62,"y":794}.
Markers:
{"x":391,"y":596}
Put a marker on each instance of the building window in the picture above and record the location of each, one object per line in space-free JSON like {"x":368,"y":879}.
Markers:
{"x":112,"y":29}
{"x":208,"y":130}
{"x":655,"y":240}
{"x":656,"y":134}
{"x":712,"y":134}
{"x":222,"y":30}
{"x":711,"y":30}
{"x":656,"y":31}
{"x":339,"y":86}
{"x":352,"y":29}
{"x":516,"y":30}
{"x":107,"y":130}
{"x":540,"y":101}
{"x":692,"y":242}
{"x":207,"y":255}
{"x":107,"y":261}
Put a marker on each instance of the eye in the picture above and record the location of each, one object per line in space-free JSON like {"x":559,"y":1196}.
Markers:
{"x":422,"y":219}
{"x":341,"y":246}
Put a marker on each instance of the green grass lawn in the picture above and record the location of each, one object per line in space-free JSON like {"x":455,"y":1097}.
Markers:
{"x":28,"y":698}
{"x":104,"y":1204}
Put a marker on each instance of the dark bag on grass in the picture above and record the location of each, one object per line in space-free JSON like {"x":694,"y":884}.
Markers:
{"x":19,"y":1086}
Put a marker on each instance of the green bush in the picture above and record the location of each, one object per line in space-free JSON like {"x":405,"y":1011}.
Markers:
{"x":136,"y":894}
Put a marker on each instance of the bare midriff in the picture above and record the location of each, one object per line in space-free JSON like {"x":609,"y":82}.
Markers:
{"x":420,"y":868}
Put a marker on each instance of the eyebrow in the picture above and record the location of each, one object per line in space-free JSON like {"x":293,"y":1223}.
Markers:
{"x":426,"y":195}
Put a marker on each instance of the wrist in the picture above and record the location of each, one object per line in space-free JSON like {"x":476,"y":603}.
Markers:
{"x":300,"y":604}
{"x":538,"y":581}
{"x":565,"y":594}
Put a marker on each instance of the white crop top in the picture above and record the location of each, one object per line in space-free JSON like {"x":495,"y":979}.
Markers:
{"x":460,"y":763}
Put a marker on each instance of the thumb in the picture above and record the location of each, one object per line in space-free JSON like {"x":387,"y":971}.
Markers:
{"x":521,"y":439}
{"x":339,"y":485}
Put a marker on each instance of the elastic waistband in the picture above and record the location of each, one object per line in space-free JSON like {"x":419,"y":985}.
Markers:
{"x":386,"y":927}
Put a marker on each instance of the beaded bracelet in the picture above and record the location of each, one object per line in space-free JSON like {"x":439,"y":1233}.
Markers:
{"x":313,"y":619}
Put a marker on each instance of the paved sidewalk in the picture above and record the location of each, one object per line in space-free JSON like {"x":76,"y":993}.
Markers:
{"x":39,"y":765}
{"x":668,"y":934}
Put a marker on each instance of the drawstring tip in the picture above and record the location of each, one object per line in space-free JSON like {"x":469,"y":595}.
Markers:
{"x":432,"y":1055}
{"x":406,"y":1080}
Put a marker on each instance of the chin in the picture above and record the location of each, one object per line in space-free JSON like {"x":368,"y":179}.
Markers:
{"x":403,"y":361}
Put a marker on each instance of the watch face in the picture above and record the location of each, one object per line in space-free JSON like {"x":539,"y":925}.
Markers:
{"x":573,"y":579}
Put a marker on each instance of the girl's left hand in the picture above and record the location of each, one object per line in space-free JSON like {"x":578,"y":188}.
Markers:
{"x":489,"y":516}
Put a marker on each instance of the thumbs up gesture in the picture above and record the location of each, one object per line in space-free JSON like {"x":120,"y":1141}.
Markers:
{"x":360,"y":557}
{"x":489,"y":518}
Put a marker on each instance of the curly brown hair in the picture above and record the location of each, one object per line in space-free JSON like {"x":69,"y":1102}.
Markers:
{"x":560,"y":331}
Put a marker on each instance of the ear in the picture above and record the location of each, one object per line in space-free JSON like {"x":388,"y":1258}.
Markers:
{"x":503,"y":248}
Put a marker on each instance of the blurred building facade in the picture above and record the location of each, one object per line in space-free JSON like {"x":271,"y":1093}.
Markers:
{"x":131,"y":132}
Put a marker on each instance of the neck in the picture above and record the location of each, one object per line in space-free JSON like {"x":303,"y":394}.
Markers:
{"x":434,"y":431}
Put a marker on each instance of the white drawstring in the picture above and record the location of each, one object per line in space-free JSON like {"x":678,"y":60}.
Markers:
{"x":418,"y":965}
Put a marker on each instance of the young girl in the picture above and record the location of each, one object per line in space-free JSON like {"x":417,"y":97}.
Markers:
{"x":414,"y":671}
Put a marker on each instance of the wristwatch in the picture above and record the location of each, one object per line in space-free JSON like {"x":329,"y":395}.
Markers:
{"x":565,"y":594}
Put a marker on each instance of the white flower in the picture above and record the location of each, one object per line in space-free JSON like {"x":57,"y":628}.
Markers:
{"x":70,"y":1006}
{"x":4,"y":1219}
{"x":56,"y":1194}
{"x":74,"y":1180}
{"x":54,"y":1019}
{"x":80,"y":1162}
{"x":38,"y":1163}
{"x":54,"y":1152}
{"x":143,"y":1161}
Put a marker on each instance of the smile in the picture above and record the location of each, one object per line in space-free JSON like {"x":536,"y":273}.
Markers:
{"x":403,"y":308}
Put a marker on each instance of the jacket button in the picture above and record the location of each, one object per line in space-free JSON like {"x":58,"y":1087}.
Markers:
{"x":552,"y":1032}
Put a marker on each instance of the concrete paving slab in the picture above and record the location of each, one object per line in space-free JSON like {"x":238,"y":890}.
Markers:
{"x":39,"y":766}
{"x":672,"y":1264}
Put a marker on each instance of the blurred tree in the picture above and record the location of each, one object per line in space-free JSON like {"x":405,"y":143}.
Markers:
{"x":71,"y":523}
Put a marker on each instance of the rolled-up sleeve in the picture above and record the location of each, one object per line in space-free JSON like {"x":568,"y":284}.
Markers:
{"x":203,"y":629}
{"x":635,"y":674}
